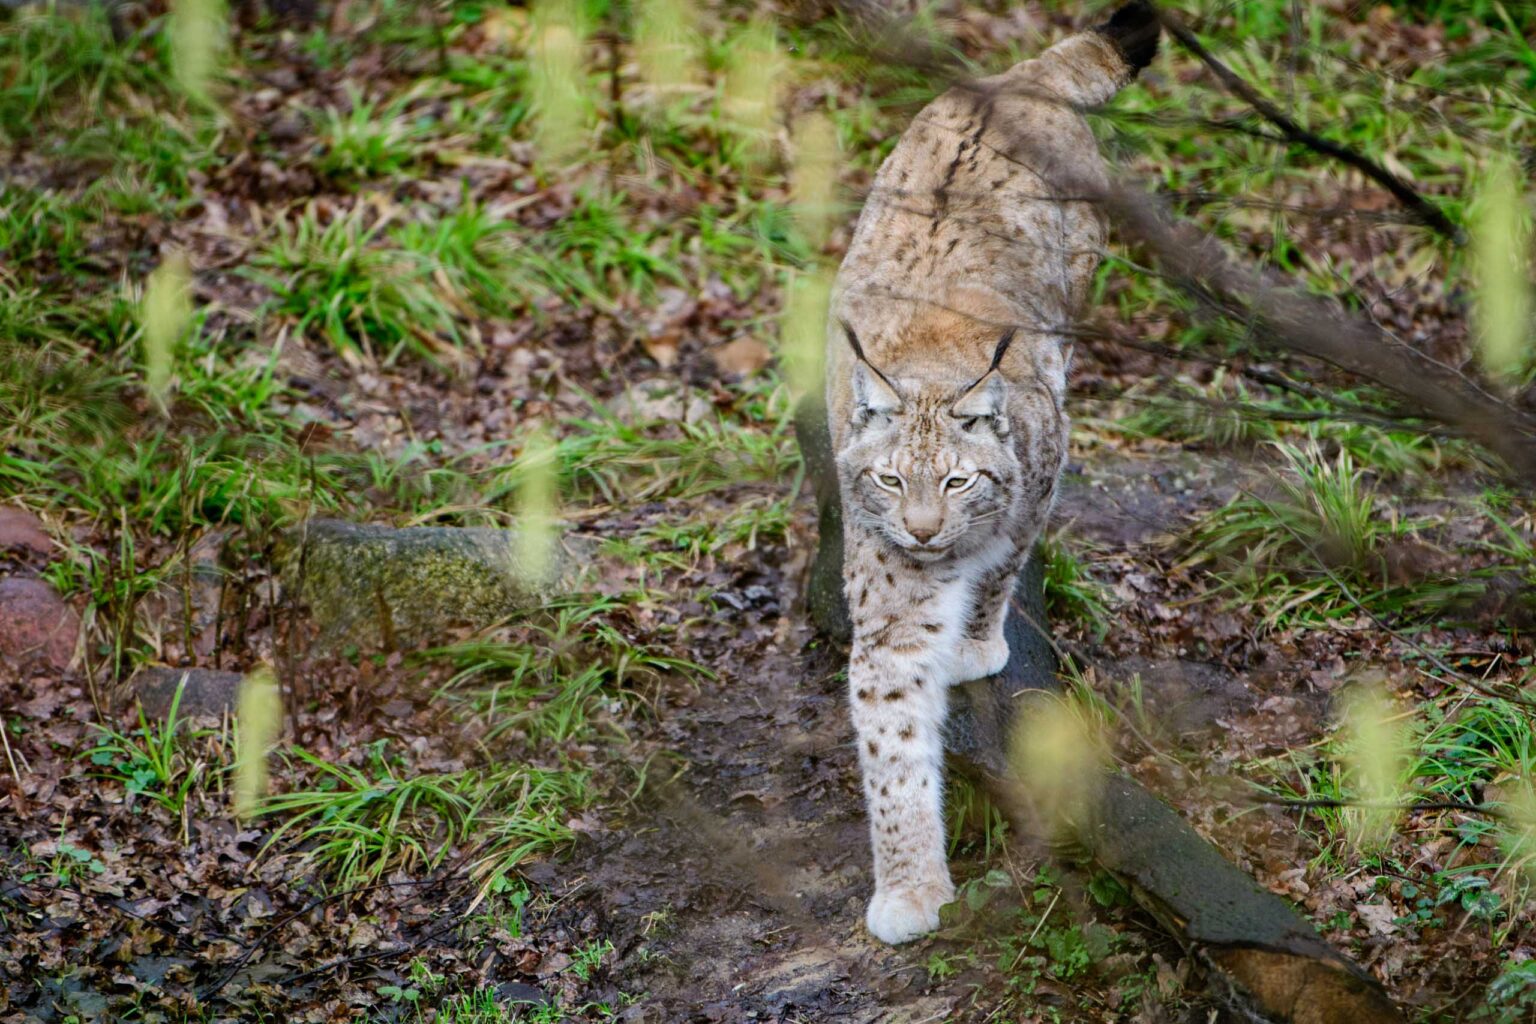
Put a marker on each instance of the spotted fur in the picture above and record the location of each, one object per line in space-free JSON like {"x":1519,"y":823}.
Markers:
{"x":948,"y":347}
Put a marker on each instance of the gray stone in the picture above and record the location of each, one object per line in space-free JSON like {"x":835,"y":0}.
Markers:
{"x":383,"y":588}
{"x":205,"y":692}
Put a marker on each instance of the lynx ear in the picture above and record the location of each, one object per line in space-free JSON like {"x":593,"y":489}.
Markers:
{"x":984,"y":402}
{"x":872,"y":394}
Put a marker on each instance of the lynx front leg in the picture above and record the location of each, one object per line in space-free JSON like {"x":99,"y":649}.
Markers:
{"x":982,"y":650}
{"x":898,"y":711}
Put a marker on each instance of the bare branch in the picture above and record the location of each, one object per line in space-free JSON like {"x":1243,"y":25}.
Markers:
{"x":1426,"y":211}
{"x":1315,"y":327}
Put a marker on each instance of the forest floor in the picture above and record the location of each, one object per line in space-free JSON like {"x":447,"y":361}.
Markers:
{"x":641,"y":803}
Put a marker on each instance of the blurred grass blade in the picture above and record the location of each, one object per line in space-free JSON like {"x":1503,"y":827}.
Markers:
{"x":667,"y":44}
{"x":167,"y":308}
{"x":753,"y":73}
{"x":197,"y":42}
{"x":537,"y":513}
{"x":1519,"y":838}
{"x":803,"y":329}
{"x":813,"y":179}
{"x":1501,"y":239}
{"x":1375,"y":754}
{"x":557,"y":80}
{"x":259,"y":717}
{"x":1059,"y":758}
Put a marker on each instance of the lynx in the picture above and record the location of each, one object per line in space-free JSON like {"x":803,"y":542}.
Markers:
{"x":948,"y":345}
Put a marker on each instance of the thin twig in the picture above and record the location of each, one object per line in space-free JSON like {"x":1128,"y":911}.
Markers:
{"x":1421,"y":805}
{"x":1427,"y":212}
{"x":9,"y":757}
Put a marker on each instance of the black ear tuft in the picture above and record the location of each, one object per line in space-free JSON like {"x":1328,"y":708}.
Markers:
{"x":1134,"y":30}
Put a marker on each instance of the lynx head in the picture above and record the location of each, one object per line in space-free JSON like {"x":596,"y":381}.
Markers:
{"x":930,"y":465}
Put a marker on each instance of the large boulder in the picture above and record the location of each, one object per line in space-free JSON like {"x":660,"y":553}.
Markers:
{"x":385,"y":588}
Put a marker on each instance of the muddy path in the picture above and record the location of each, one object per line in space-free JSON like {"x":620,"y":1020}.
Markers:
{"x":736,"y":889}
{"x":734,"y":885}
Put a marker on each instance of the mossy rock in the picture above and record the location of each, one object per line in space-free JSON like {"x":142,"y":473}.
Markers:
{"x":384,"y":588}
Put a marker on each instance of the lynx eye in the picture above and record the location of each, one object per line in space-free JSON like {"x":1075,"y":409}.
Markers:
{"x":887,"y":480}
{"x":958,"y":483}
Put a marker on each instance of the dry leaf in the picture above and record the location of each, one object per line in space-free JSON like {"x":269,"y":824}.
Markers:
{"x":742,"y":357}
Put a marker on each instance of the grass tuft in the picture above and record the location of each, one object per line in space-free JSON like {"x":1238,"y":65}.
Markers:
{"x":1298,"y":554}
{"x":358,"y":824}
{"x":369,"y":301}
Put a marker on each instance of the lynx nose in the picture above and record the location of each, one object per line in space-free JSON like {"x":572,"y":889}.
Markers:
{"x":922,"y":532}
{"x":923,"y":520}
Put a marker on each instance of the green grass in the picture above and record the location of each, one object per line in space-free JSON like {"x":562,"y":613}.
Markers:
{"x":680,"y":545}
{"x":159,"y":760}
{"x":368,"y":139}
{"x":1222,"y":413}
{"x":1072,"y":594}
{"x":1306,"y":553}
{"x":549,"y":684}
{"x":355,"y":825}
{"x":976,"y":825}
{"x":48,"y":391}
{"x":375,"y":291}
{"x":43,"y":228}
{"x":368,"y":301}
{"x":1228,"y":412}
{"x":64,"y":61}
{"x":610,"y":460}
{"x":483,"y":255}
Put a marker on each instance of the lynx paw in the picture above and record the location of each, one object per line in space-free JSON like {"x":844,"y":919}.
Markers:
{"x":903,"y":914}
{"x":980,"y":658}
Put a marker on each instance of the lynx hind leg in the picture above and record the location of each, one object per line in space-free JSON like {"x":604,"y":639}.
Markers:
{"x":898,"y":712}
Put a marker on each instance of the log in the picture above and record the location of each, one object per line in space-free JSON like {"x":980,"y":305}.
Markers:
{"x":1262,"y":954}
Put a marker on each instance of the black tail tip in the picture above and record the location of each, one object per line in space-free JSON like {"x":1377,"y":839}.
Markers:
{"x":1134,"y":30}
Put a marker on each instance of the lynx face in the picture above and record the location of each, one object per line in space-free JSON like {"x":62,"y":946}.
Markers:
{"x":932,"y":471}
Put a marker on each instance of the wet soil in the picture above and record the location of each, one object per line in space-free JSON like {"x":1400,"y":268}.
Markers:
{"x":736,"y":890}
{"x":739,"y":890}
